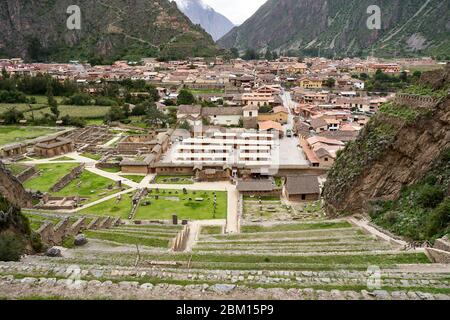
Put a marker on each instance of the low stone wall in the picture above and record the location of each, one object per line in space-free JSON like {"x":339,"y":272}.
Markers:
{"x":27,"y":174}
{"x":415,"y":101}
{"x":442,"y":244}
{"x":180,"y":242}
{"x":64,"y":181}
{"x":438,"y":256}
{"x":54,"y":235}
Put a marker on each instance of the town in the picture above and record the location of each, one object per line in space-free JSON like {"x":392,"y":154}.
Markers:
{"x":204,"y":158}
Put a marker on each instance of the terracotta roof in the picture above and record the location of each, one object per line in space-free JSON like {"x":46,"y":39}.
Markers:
{"x":270,"y":125}
{"x":306,"y":184}
{"x":280,"y":109}
{"x":318,"y":123}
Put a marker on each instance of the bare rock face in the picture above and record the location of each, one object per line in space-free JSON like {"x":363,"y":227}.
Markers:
{"x":389,"y":154}
{"x":12,"y":189}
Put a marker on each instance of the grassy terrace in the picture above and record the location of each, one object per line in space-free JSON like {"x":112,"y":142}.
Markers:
{"x":49,"y":175}
{"x":295,"y":227}
{"x":134,"y":178}
{"x":151,"y":236}
{"x":225,"y":261}
{"x":16,"y":168}
{"x":13,"y":134}
{"x":167,"y":204}
{"x":89,"y":185}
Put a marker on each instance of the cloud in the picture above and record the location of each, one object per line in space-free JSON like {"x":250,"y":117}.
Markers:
{"x":236,"y":10}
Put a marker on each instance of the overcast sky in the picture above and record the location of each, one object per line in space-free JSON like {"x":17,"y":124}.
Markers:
{"x":236,"y":10}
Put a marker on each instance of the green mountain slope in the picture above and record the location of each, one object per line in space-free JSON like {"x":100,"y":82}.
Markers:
{"x":339,"y":27}
{"x":113,"y":29}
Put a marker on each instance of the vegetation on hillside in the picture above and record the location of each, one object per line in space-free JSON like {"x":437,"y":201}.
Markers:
{"x":422,"y":212}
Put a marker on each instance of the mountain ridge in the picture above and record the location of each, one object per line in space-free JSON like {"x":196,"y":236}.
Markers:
{"x":116,"y":29}
{"x":338,"y":28}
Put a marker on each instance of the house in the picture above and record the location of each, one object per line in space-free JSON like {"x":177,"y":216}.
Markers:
{"x":311,"y":82}
{"x":302,"y":188}
{"x":190,"y":113}
{"x":258,"y":99}
{"x":250,"y":117}
{"x":319,"y":125}
{"x":262,"y":187}
{"x":279,"y":114}
{"x":52,"y":147}
{"x":271,"y":126}
{"x":297,"y":68}
{"x":224,"y":116}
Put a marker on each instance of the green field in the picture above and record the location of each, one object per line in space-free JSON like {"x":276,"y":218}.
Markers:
{"x":89,"y":185}
{"x":16,"y":168}
{"x":13,"y":134}
{"x":49,"y":175}
{"x":170,"y":204}
{"x":112,"y":207}
{"x":88,"y":112}
{"x":136,"y":179}
{"x":166,"y":206}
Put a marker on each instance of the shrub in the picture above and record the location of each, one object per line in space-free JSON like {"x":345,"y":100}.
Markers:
{"x":11,"y":247}
{"x":429,"y":196}
{"x":439,"y":220}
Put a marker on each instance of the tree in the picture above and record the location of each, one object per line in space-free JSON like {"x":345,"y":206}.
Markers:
{"x":185,"y":97}
{"x":185,"y":125}
{"x":52,"y":103}
{"x":5,"y":74}
{"x":153,"y":117}
{"x":250,"y":54}
{"x":116,"y":113}
{"x":330,"y":82}
{"x":234,"y":53}
{"x":12,"y":116}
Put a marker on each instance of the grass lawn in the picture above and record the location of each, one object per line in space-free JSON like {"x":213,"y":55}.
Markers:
{"x":171,"y":180}
{"x":136,"y":179}
{"x":13,"y":134}
{"x":296,"y":227}
{"x":91,"y":156}
{"x":211,"y":230}
{"x":112,"y":207}
{"x":89,"y":185}
{"x":129,"y":238}
{"x":169,"y":204}
{"x":16,"y":168}
{"x":49,"y":175}
{"x":63,"y":159}
{"x":112,"y":170}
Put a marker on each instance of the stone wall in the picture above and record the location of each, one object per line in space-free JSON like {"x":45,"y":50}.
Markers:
{"x":415,"y":101}
{"x":442,"y":244}
{"x":27,"y":174}
{"x":180,"y":242}
{"x":55,"y":234}
{"x":64,"y":181}
{"x":438,"y":256}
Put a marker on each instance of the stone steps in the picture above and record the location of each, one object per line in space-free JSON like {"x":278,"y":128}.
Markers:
{"x":67,"y":288}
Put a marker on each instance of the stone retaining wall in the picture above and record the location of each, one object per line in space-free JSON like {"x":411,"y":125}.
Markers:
{"x":180,"y":241}
{"x":54,"y":235}
{"x":438,"y":256}
{"x":442,"y":244}
{"x":27,"y":174}
{"x":64,"y":181}
{"x":415,"y":101}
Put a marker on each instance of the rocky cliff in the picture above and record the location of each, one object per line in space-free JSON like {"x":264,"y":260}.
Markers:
{"x":403,"y":153}
{"x":114,"y":29}
{"x":339,"y":27}
{"x":16,"y":236}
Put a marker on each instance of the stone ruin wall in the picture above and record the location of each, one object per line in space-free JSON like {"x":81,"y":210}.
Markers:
{"x":11,"y":188}
{"x":415,"y":101}
{"x":64,"y":181}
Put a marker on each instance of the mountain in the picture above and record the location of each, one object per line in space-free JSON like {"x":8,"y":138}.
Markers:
{"x":339,"y":27}
{"x":398,"y":169}
{"x":216,"y":24}
{"x":113,"y":29}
